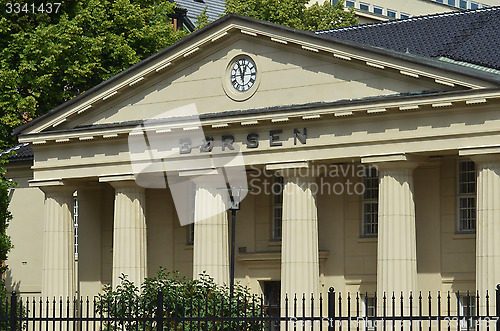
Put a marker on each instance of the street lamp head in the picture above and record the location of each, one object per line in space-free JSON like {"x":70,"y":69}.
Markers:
{"x":235,"y":196}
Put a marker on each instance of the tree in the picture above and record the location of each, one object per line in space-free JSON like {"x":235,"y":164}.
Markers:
{"x":46,"y":59}
{"x":295,"y":13}
{"x":202,"y":20}
{"x":5,"y":217}
{"x":183,"y":298}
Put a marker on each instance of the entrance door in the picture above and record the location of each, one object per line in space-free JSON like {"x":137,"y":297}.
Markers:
{"x":272,"y":292}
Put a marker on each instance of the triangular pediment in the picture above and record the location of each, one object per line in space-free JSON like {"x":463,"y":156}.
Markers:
{"x":293,"y":68}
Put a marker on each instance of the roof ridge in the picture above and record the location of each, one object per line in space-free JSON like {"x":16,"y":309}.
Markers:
{"x":404,"y":20}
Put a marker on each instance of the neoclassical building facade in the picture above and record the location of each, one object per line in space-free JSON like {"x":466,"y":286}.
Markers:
{"x":368,"y":170}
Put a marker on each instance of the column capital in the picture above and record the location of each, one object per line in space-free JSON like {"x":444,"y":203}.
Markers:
{"x":55,"y":186}
{"x":120,"y":181}
{"x":392,"y":161}
{"x":301,"y":169}
{"x":482,"y":154}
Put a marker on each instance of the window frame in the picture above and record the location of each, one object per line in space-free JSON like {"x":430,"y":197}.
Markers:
{"x":75,"y":223}
{"x":459,"y":196}
{"x":190,"y":234}
{"x":392,"y":11}
{"x":364,"y":4}
{"x":372,"y":201}
{"x":277,"y":205}
{"x":349,"y":2}
{"x":472,"y":311}
{"x":190,"y":227}
{"x":368,"y":303}
{"x":378,"y":8}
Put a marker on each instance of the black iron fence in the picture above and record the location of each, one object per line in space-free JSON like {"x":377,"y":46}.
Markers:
{"x":359,"y":311}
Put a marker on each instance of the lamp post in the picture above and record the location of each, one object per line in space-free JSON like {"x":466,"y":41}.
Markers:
{"x":235,"y":196}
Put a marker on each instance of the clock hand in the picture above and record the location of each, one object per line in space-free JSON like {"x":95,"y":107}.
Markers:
{"x":244,"y":72}
{"x":242,"y":75}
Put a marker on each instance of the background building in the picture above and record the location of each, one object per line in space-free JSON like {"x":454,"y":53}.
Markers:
{"x":382,"y":10}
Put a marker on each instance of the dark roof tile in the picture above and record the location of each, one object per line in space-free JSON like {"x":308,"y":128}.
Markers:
{"x":23,"y":152}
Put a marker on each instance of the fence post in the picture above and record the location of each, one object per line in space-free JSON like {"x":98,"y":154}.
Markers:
{"x":497,"y":304}
{"x":159,"y":311}
{"x":13,"y":311}
{"x":331,"y":309}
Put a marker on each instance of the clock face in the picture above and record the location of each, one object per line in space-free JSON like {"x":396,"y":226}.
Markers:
{"x":243,"y":74}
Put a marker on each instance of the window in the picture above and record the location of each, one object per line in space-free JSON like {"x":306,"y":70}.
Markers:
{"x":466,"y":196}
{"x":403,"y":15}
{"x":277,"y":191}
{"x":440,"y":1}
{"x":75,"y":222}
{"x":377,"y":10}
{"x":474,"y":5}
{"x":349,"y":4}
{"x":463,"y":4}
{"x":369,"y":310}
{"x":451,"y":3}
{"x":370,"y":202}
{"x":467,"y":308}
{"x":190,"y":228}
{"x":364,"y":6}
{"x":391,"y":13}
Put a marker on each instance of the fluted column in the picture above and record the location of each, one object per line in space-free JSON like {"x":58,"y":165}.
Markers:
{"x":488,"y":225}
{"x":396,"y":250}
{"x":211,"y":247}
{"x":129,"y":233}
{"x":299,"y":252}
{"x":58,"y":265}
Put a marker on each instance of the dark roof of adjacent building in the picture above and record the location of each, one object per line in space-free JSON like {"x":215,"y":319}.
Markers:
{"x":470,"y":36}
{"x":21,"y":152}
{"x":215,"y":8}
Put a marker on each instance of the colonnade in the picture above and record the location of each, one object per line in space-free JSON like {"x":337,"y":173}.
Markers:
{"x":396,"y":253}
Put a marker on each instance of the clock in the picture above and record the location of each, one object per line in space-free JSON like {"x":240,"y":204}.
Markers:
{"x":243,"y":74}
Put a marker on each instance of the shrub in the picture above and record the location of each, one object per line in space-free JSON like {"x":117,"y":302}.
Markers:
{"x":187,"y":304}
